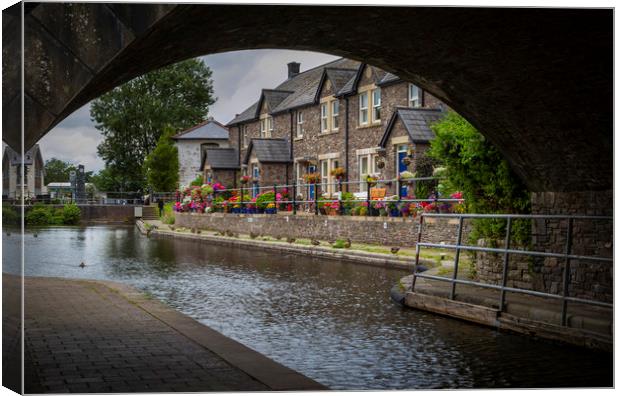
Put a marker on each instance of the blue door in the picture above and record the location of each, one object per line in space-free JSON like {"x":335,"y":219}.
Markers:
{"x":402,"y":153}
{"x":311,"y":169}
{"x":255,"y":175}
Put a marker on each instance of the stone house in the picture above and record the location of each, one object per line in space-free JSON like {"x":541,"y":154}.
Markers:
{"x":34,"y":173}
{"x":221,"y":164}
{"x":335,"y":116}
{"x":268,"y":162}
{"x":192,"y":145}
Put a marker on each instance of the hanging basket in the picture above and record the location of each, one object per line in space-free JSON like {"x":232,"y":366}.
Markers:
{"x":381,"y":163}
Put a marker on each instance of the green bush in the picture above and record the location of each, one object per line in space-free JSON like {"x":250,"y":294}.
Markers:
{"x":9,"y":215}
{"x":265,"y":199}
{"x":39,"y":215}
{"x":71,"y":214}
{"x":339,"y":244}
{"x":198,"y":181}
{"x":474,"y":166}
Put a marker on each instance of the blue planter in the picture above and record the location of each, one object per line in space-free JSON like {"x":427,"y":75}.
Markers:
{"x":270,"y":211}
{"x":394,"y":213}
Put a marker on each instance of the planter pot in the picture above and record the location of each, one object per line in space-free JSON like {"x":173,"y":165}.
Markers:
{"x":270,"y":211}
{"x":394,"y":213}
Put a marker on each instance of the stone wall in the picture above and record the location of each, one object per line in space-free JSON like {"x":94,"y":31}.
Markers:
{"x":489,"y":268}
{"x":377,"y":230}
{"x":103,"y":213}
{"x":589,"y":279}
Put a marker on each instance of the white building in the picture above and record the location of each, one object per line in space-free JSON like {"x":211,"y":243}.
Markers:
{"x":34,"y":172}
{"x":192,"y":144}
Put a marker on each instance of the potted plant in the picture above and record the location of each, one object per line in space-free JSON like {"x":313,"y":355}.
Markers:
{"x":312,"y":178}
{"x":338,"y":173}
{"x":244,"y":179}
{"x":381,"y":163}
{"x":407,"y":177}
{"x":392,"y":206}
{"x":371,"y":180}
{"x":270,"y":208}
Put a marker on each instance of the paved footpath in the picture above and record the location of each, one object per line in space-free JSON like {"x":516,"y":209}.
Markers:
{"x":91,"y":336}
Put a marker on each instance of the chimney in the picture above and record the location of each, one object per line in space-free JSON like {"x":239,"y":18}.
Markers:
{"x":293,"y":69}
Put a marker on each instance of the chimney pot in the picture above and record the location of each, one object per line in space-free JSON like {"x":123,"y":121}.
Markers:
{"x":293,"y":69}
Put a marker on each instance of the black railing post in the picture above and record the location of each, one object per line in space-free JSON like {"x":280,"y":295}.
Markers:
{"x":569,"y":245}
{"x":456,"y":257}
{"x":340,"y":208}
{"x":294,"y":199}
{"x":316,"y":201}
{"x":398,"y":190}
{"x":502,"y":299}
{"x":367,"y":198}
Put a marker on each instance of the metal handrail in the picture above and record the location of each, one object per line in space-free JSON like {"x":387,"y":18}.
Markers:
{"x":567,"y":256}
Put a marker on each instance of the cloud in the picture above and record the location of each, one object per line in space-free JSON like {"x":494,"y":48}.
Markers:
{"x":238,"y":78}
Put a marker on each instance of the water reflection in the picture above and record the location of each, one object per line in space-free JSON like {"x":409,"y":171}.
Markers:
{"x":332,"y":321}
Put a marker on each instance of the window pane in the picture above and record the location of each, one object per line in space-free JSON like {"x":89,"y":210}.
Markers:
{"x":376,"y":97}
{"x":335,"y":107}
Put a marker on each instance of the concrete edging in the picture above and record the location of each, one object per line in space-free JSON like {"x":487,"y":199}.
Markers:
{"x":265,"y":370}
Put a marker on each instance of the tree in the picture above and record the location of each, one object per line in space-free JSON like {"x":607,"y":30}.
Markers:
{"x":162,"y":164}
{"x":478,"y":169}
{"x":133,"y":116}
{"x":57,"y":170}
{"x":105,"y":180}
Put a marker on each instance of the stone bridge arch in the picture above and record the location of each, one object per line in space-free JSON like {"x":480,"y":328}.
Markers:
{"x":536,"y":82}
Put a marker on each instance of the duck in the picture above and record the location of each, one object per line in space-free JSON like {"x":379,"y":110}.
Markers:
{"x":253,"y":235}
{"x":315,"y":242}
{"x":82,"y":265}
{"x":290,"y":240}
{"x":198,"y":231}
{"x":8,"y":233}
{"x":35,"y":235}
{"x":394,"y":250}
{"x":347,"y":243}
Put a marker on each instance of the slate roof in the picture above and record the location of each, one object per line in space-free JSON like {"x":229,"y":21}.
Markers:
{"x":339,"y":77}
{"x":210,"y":129}
{"x":269,"y":150}
{"x":351,"y":85}
{"x":302,"y":88}
{"x":221,"y":158}
{"x":389,"y":78}
{"x":417,"y":122}
{"x":15,"y":158}
{"x":274,"y":97}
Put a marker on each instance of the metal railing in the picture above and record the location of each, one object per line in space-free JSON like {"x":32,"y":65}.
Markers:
{"x":310,"y":196}
{"x":567,"y":256}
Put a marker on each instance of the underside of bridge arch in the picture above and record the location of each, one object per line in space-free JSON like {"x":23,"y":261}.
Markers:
{"x":536,"y":82}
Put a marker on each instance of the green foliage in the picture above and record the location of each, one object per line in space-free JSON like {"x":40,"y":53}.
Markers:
{"x":199,"y":181}
{"x":9,"y":215}
{"x":132,"y":117}
{"x":57,"y":170}
{"x":162,"y":164}
{"x":339,"y":244}
{"x":479,"y":170}
{"x":424,"y":168}
{"x":265,"y":199}
{"x":107,"y":180}
{"x":39,"y":215}
{"x":71,"y":214}
{"x":348,"y":206}
{"x":168,"y":214}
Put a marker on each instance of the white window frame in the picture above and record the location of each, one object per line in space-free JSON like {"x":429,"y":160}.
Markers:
{"x":412,"y":101}
{"x":298,"y":178}
{"x":263,"y":128}
{"x":325,"y":176}
{"x":334,"y":107}
{"x":270,"y":125}
{"x":244,"y":136}
{"x":376,"y":105}
{"x":300,"y":124}
{"x":371,"y":167}
{"x":363,"y":110}
{"x":324,"y":117}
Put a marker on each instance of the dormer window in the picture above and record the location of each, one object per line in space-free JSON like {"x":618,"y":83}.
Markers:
{"x":414,"y":96}
{"x":244,"y":136}
{"x":335,"y":114}
{"x":266,"y":126}
{"x":324,"y":118}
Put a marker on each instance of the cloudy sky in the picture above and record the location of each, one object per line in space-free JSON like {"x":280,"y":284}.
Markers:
{"x":238,"y":78}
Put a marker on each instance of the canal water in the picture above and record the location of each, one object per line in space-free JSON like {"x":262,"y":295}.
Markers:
{"x":332,"y":321}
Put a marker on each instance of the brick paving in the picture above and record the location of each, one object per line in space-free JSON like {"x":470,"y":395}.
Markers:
{"x":86,"y":336}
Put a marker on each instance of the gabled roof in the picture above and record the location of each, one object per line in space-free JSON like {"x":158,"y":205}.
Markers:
{"x":221,"y":158}
{"x":273,"y":98}
{"x":269,"y":150}
{"x":417,"y":122}
{"x":15,"y":158}
{"x":351,"y":86}
{"x":389,"y":78}
{"x":302,"y":87}
{"x":338,"y":77}
{"x":209,"y":129}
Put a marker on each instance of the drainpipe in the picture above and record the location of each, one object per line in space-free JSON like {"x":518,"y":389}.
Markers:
{"x":239,"y":144}
{"x":291,"y":150}
{"x":346,"y":140}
